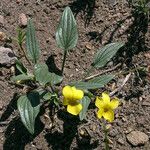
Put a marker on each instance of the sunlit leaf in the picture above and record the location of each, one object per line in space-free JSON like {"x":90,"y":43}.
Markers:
{"x":22,"y":77}
{"x":43,"y":76}
{"x":105,"y":54}
{"x":33,"y":49}
{"x":66,"y":34}
{"x":85,"y":104}
{"x":29,"y":107}
{"x":104,"y":79}
{"x":87,"y":85}
{"x":47,"y":96}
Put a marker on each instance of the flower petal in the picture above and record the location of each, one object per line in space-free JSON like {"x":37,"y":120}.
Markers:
{"x":114,"y":103}
{"x":67,"y":92}
{"x":105,"y":97}
{"x":100,"y":113}
{"x":74,"y":109}
{"x":77,"y":94}
{"x":99,"y":102}
{"x":109,"y":115}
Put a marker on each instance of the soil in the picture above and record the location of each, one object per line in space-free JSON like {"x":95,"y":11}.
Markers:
{"x":99,"y":23}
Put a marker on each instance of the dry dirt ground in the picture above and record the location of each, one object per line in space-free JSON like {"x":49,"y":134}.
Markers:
{"x":98,"y":24}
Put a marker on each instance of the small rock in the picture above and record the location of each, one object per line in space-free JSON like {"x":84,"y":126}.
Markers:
{"x":1,"y":20}
{"x":18,"y":1}
{"x":137,"y":138}
{"x":147,"y":55}
{"x":22,"y":20}
{"x":110,"y":64}
{"x":113,"y":132}
{"x":128,"y":130}
{"x":12,"y":70}
{"x":146,"y":103}
{"x":112,"y":2}
{"x":2,"y":36}
{"x":88,"y":46}
{"x":82,"y":132}
{"x":7,"y":57}
{"x":120,"y":141}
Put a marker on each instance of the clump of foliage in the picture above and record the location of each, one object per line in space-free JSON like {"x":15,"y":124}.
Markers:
{"x":142,"y":6}
{"x":43,"y":84}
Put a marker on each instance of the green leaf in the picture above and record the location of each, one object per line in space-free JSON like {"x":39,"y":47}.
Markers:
{"x":33,"y":49}
{"x":29,"y":107}
{"x":21,"y":36}
{"x":43,"y":76}
{"x":67,"y":34}
{"x":105,"y":54}
{"x":41,"y":73}
{"x":104,"y":79}
{"x":47,"y":96}
{"x":85,"y":103}
{"x":95,"y":83}
{"x":20,"y":67}
{"x":22,"y":77}
{"x":55,"y":79}
{"x":86,"y":85}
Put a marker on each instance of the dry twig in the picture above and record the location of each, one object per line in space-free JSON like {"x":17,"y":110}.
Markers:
{"x":100,"y":73}
{"x":121,"y":86}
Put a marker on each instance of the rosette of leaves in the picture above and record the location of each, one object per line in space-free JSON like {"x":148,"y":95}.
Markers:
{"x":44,"y":82}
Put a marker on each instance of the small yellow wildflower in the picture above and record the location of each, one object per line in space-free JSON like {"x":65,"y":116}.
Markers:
{"x":71,"y":99}
{"x":106,"y":107}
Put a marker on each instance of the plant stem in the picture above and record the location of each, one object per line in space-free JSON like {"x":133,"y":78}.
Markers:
{"x":64,"y":60}
{"x":21,"y":48}
{"x":129,"y":71}
{"x":106,"y":140}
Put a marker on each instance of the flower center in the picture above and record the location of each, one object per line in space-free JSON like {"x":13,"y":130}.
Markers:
{"x":73,"y":102}
{"x":106,"y":108}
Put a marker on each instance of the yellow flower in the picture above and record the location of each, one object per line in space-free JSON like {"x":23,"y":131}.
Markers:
{"x":71,"y":99}
{"x":106,"y":107}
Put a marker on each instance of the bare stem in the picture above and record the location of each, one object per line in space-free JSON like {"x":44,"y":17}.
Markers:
{"x":64,"y":60}
{"x":106,"y":140}
{"x":100,"y":73}
{"x":21,"y":48}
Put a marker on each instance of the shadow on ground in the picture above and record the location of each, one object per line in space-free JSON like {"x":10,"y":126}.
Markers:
{"x":52,"y":65}
{"x":64,"y":140}
{"x":85,"y":7}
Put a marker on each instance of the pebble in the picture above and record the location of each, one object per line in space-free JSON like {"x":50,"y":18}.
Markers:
{"x":113,"y":132}
{"x":128,"y":130}
{"x":146,"y":103}
{"x":137,"y":138}
{"x":7,"y":57}
{"x":23,"y":20}
{"x":2,"y":36}
{"x":18,"y":1}
{"x":121,"y":141}
{"x":1,"y":20}
{"x":88,"y":46}
{"x":1,"y":105}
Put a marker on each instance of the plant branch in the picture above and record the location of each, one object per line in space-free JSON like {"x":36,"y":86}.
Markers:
{"x":100,"y":73}
{"x":122,"y":85}
{"x":106,"y":140}
{"x":21,"y":48}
